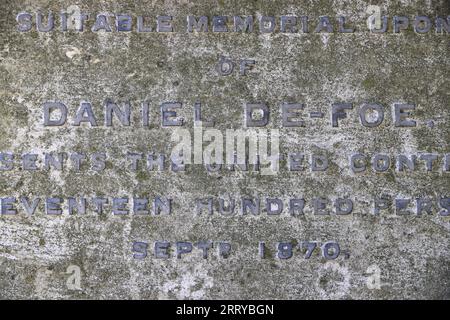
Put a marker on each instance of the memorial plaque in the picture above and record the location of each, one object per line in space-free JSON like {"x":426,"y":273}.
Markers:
{"x":224,"y":149}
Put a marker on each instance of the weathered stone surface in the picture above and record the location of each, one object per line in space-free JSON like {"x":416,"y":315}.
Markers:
{"x":411,"y":252}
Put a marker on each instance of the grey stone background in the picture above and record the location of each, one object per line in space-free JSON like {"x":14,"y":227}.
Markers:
{"x":413,"y":253}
